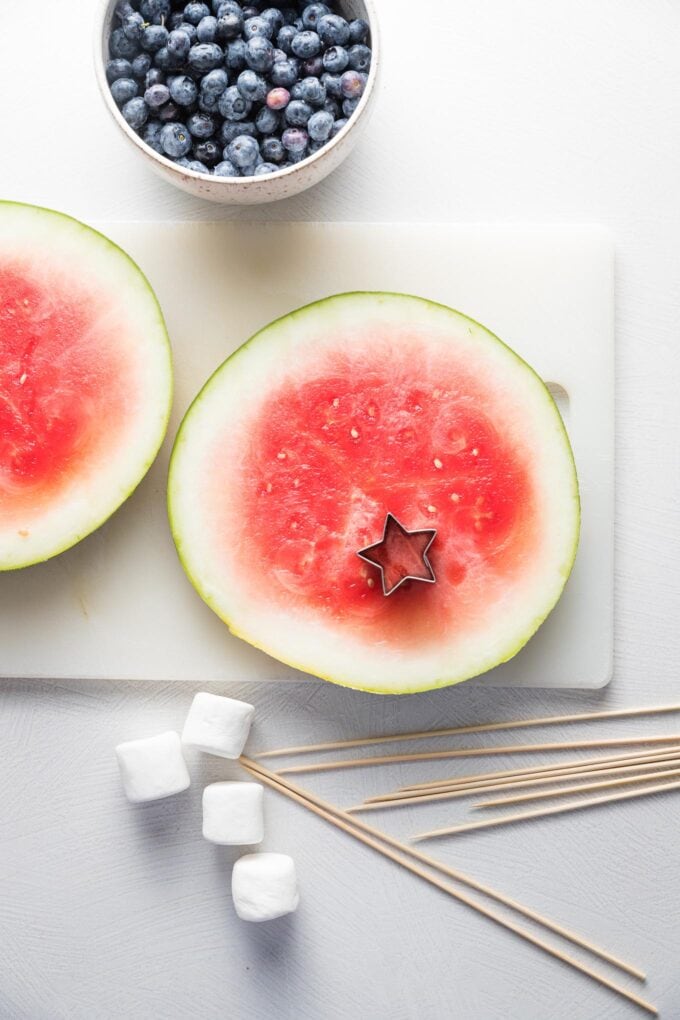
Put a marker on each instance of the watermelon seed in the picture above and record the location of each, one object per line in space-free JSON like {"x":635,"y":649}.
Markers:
{"x":269,"y":486}
{"x":475,"y":452}
{"x":455,"y":498}
{"x":281,"y":455}
{"x":354,"y":433}
{"x":431,"y":509}
{"x":370,"y":582}
{"x":336,"y":402}
{"x":23,"y":379}
{"x":296,"y":482}
{"x":372,"y":410}
{"x":437,"y":463}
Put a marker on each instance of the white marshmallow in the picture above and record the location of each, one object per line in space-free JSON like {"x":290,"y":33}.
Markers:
{"x":153,"y":768}
{"x":218,"y":725}
{"x":264,"y":886}
{"x":232,"y":813}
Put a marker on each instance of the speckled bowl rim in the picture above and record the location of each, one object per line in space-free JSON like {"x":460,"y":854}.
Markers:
{"x":226,"y":182}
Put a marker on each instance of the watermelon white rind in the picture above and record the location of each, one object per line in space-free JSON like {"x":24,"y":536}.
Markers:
{"x":485,"y":605}
{"x":85,"y":381}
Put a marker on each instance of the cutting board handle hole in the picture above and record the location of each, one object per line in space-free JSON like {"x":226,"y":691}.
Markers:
{"x":560,"y":396}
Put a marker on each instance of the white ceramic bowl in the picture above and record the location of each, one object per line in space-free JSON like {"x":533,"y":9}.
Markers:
{"x":249,"y":190}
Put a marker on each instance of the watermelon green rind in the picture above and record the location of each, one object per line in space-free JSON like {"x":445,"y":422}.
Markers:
{"x":268,"y":334}
{"x":135,"y":277}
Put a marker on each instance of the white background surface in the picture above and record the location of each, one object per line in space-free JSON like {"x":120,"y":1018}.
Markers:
{"x":535,"y":110}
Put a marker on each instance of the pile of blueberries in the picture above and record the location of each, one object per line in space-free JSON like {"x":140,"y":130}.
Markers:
{"x":236,"y":89}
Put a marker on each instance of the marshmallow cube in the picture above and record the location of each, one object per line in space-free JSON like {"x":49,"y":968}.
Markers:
{"x":152,"y":768}
{"x":218,"y":725}
{"x":264,"y":886}
{"x":232,"y":813}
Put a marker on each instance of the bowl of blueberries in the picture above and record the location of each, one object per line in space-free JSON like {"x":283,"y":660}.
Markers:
{"x":239,"y":101}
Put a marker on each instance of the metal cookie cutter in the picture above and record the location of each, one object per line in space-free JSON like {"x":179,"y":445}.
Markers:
{"x":420,"y":541}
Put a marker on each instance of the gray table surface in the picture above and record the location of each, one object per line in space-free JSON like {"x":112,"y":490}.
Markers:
{"x":530,"y":111}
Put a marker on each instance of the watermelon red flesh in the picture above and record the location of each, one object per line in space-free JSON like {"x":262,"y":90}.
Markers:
{"x":333,"y":456}
{"x":364,"y":404}
{"x":85,"y":381}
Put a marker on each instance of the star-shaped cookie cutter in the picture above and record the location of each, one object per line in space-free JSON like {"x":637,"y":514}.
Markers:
{"x":421,"y":539}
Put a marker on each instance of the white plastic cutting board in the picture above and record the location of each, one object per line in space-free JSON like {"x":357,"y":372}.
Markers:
{"x":119,"y":605}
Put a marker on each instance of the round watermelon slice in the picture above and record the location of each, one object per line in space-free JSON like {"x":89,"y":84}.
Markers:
{"x":361,"y":406}
{"x":85,"y":381}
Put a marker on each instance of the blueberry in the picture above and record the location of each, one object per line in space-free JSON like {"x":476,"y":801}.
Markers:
{"x":123,"y":9}
{"x":141,"y":65}
{"x":201,"y":125}
{"x":164,"y":60}
{"x":312,"y":13}
{"x":174,"y":21}
{"x":275,"y":18}
{"x":359,"y":58}
{"x":154,"y":37}
{"x":208,"y":103}
{"x":229,"y":27}
{"x":208,"y":151}
{"x":352,"y":84}
{"x":320,"y":125}
{"x":205,"y":57}
{"x":226,"y":169}
{"x":284,"y":73}
{"x":333,"y":30}
{"x":243,"y":151}
{"x":272,"y":150}
{"x":336,"y":59}
{"x":259,"y":53}
{"x":236,"y":55}
{"x":154,"y":76}
{"x":285,"y":38}
{"x":251,"y":11}
{"x":258,"y":26}
{"x":122,"y":47}
{"x":195,"y":12}
{"x":338,"y":125}
{"x":154,"y":11}
{"x":183,"y":90}
{"x":358,"y":31}
{"x":312,"y":91}
{"x":267,"y":121}
{"x":152,"y":135}
{"x":333,"y":107}
{"x":133,"y":26}
{"x":135,"y":113}
{"x":179,"y":44}
{"x":265,"y":168}
{"x":156,"y":96}
{"x":232,"y":105}
{"x":278,"y":99}
{"x":118,"y":68}
{"x":349,"y":106}
{"x":124,"y":89}
{"x":228,"y":132}
{"x":298,"y":113}
{"x":312,"y":68}
{"x":306,"y":44}
{"x":215,"y":82}
{"x":193,"y":164}
{"x":175,"y":139}
{"x":294,"y":140}
{"x":206,"y":30}
{"x":222,"y":7}
{"x":252,"y":86}
{"x":170,"y":112}
{"x":189,"y":30}
{"x":333,"y":85}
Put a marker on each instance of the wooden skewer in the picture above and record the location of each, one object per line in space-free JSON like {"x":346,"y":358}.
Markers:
{"x":515,"y":724}
{"x":375,"y":839}
{"x":521,"y":816}
{"x":580,"y":788}
{"x":519,"y":775}
{"x":530,"y":770}
{"x":472,"y":752}
{"x":553,"y":778}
